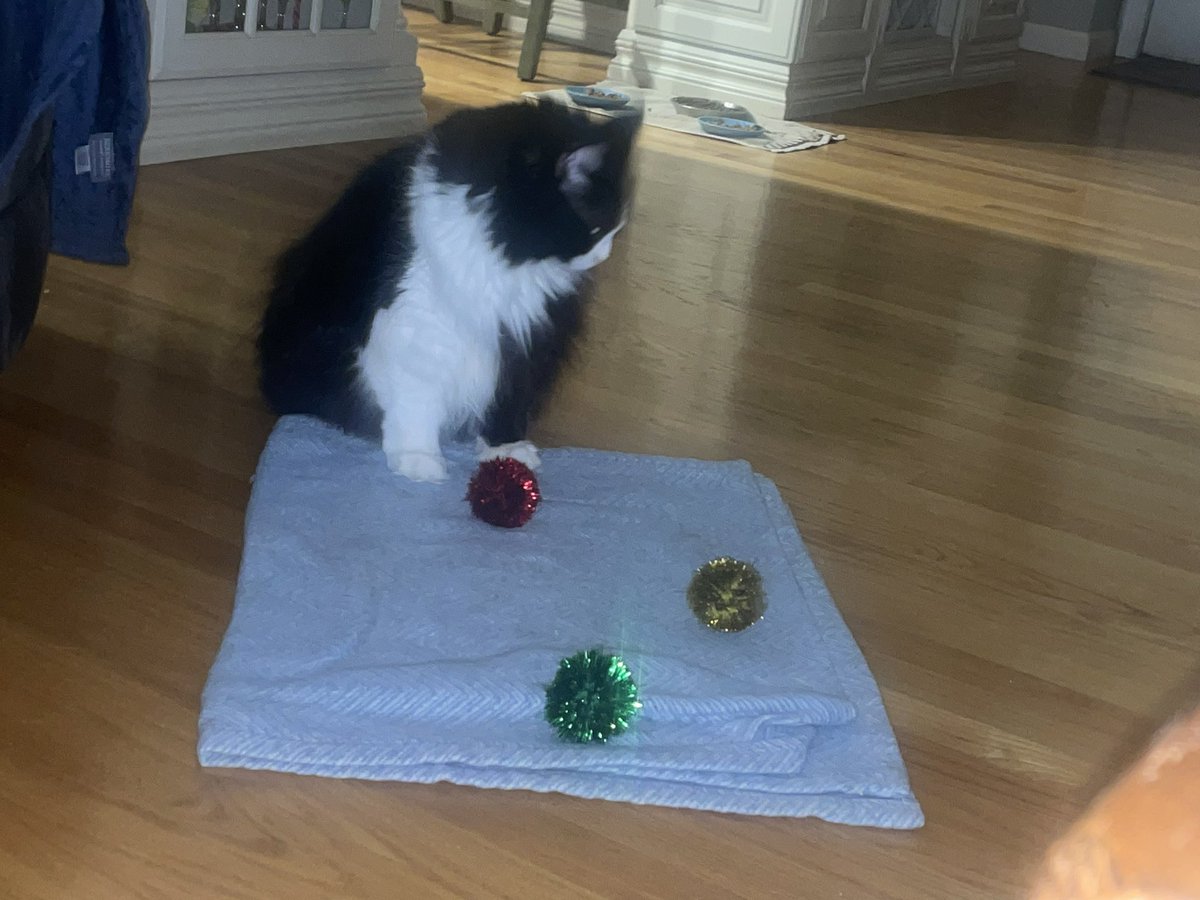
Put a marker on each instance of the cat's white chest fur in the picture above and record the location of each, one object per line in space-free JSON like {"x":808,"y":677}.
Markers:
{"x":433,"y":356}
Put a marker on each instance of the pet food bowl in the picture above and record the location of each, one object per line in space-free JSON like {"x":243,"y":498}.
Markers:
{"x":724,"y":126}
{"x":599,"y":97}
{"x":702,"y":106}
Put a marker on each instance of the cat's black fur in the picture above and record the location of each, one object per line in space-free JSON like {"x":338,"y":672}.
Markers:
{"x":328,"y":287}
{"x":331,"y":284}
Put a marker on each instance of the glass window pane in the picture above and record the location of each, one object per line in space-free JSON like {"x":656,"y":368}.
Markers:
{"x":346,"y":14}
{"x":284,"y":15}
{"x":909,"y":15}
{"x":215,"y":16}
{"x":922,"y":17}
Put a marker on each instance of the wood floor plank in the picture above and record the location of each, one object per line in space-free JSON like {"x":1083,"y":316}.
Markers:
{"x":962,"y":342}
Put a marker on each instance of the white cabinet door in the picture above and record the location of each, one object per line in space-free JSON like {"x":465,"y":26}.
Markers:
{"x":762,"y":28}
{"x":914,"y":44}
{"x":994,"y":18}
{"x":202,"y":38}
{"x":839,"y":29}
{"x":796,"y":58}
{"x":234,"y":76}
{"x":989,"y":32}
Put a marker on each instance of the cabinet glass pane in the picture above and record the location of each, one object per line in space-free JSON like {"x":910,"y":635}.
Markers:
{"x":916,"y":16}
{"x":907,"y":15}
{"x":218,"y":16}
{"x":1002,"y":7}
{"x":215,"y":16}
{"x":346,"y":14}
{"x":284,"y":15}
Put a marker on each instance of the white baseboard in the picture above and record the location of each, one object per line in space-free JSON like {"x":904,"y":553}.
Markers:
{"x":195,"y":117}
{"x":1085,"y":46}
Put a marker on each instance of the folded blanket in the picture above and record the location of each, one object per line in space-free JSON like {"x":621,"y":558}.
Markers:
{"x":380,"y":631}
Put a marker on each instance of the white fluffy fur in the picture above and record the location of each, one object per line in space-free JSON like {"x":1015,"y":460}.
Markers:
{"x":433,"y":356}
{"x":521,"y":451}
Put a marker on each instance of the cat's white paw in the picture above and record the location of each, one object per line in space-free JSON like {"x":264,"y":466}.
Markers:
{"x":522,"y":451}
{"x":417,"y":466}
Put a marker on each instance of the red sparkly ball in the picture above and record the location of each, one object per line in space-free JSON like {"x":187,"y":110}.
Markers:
{"x":504,"y":492}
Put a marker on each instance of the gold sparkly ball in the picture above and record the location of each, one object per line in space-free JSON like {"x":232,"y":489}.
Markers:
{"x":727,"y":594}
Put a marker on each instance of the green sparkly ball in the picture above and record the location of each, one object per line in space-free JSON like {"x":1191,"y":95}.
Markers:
{"x":592,"y":697}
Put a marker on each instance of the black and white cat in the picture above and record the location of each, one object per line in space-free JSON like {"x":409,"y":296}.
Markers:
{"x":440,"y":294}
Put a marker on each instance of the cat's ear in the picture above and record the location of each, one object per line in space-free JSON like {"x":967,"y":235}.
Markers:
{"x":575,"y":169}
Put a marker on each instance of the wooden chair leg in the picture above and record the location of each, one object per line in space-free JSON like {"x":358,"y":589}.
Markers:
{"x":535,"y":36}
{"x":443,"y":10}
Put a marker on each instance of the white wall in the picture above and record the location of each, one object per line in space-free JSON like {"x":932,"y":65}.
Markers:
{"x":1174,"y":30}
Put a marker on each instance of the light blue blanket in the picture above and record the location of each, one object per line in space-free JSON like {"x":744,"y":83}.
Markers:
{"x":382,"y":632}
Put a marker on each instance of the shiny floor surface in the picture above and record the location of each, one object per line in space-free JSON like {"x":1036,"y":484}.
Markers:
{"x":964,"y":343}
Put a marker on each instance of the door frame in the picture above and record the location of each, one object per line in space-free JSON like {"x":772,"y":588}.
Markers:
{"x":1131,"y":31}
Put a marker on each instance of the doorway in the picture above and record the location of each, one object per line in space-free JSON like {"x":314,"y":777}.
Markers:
{"x":1158,"y":43}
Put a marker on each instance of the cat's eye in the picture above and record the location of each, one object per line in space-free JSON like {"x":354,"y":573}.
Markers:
{"x":595,"y":230}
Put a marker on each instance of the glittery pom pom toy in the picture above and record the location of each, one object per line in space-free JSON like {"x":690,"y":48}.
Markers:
{"x":727,"y":594}
{"x":593,"y":697}
{"x":504,"y":492}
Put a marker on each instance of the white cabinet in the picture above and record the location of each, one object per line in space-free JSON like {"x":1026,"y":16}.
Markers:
{"x":229,"y":76}
{"x":798,"y":57}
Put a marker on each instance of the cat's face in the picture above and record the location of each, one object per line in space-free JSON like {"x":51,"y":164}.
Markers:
{"x":558,"y":182}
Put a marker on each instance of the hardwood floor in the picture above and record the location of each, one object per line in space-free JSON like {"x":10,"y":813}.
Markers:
{"x":964,"y":343}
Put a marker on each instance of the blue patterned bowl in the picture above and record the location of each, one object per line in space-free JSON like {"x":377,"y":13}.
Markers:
{"x":723,"y":126}
{"x":599,"y":97}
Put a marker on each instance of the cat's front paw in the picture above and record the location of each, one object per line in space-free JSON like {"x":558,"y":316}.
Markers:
{"x":522,"y":451}
{"x":415,"y":466}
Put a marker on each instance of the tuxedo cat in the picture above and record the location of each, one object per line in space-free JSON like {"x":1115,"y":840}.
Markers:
{"x":440,"y":294}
